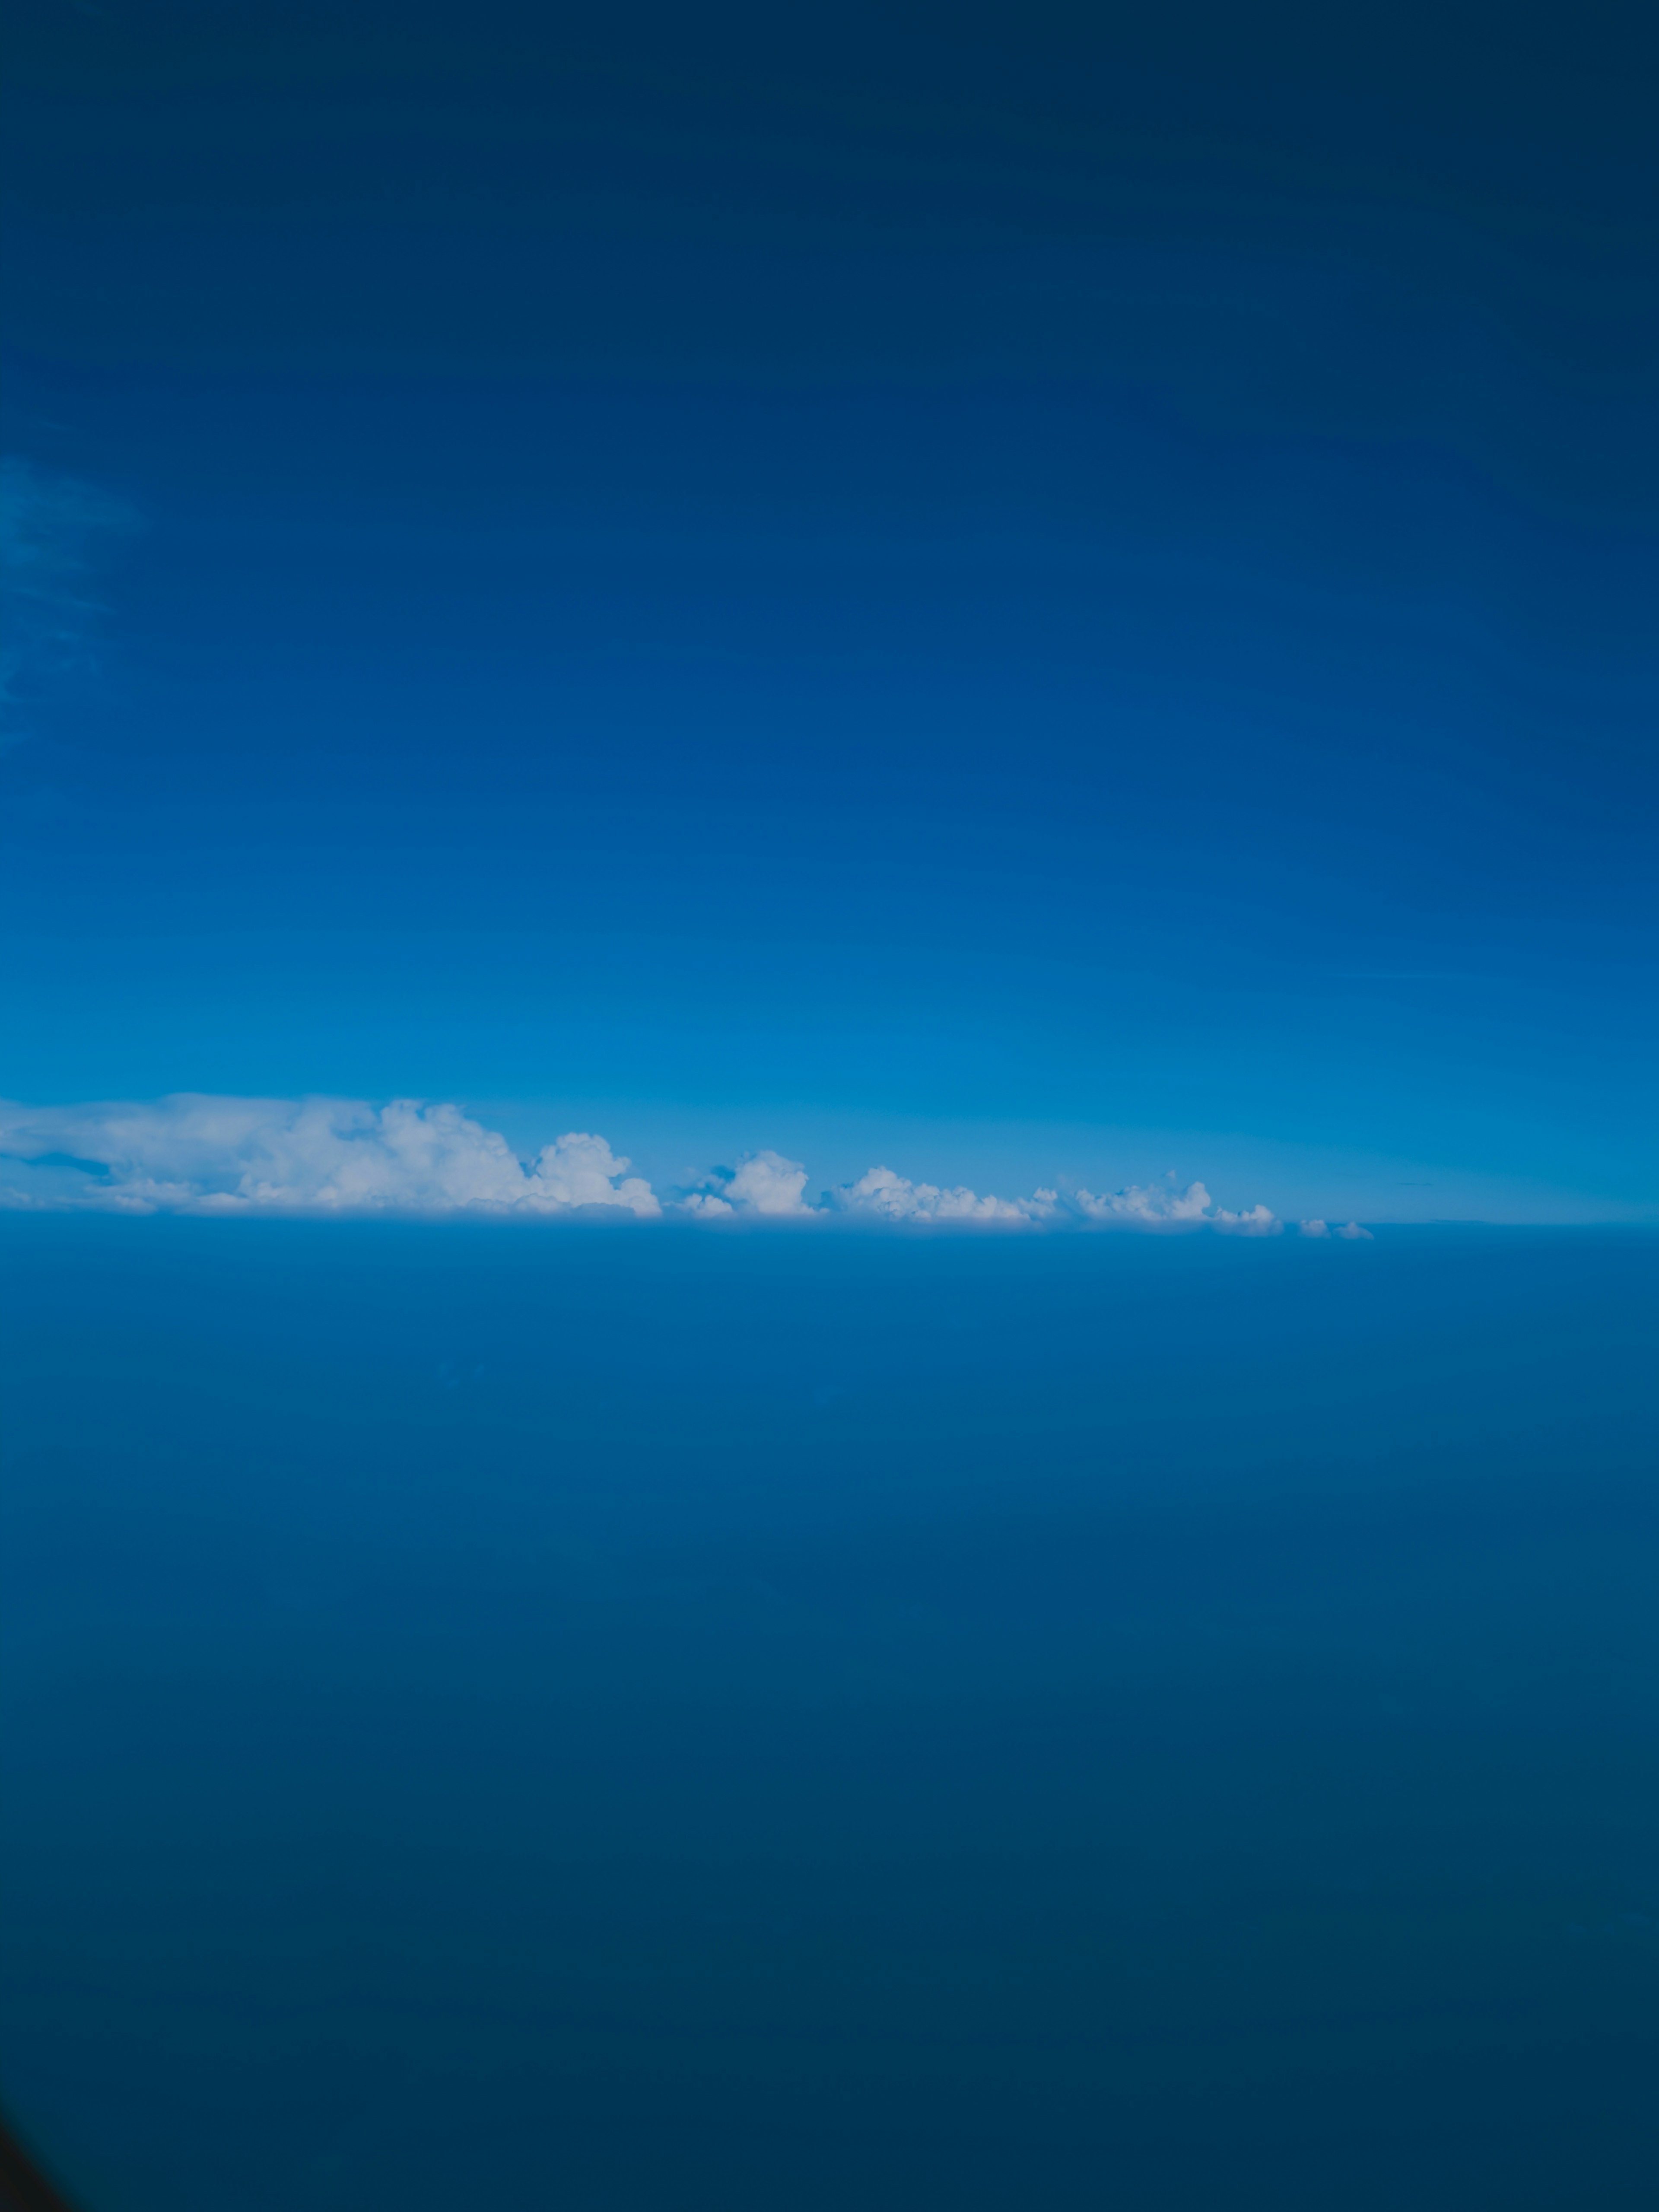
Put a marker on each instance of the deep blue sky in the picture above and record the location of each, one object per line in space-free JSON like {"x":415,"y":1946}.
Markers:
{"x":1029,"y":595}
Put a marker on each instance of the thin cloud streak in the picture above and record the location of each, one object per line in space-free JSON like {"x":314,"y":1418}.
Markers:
{"x":50,"y":528}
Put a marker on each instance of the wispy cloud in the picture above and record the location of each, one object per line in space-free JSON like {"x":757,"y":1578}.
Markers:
{"x":193,"y":1154}
{"x":51,"y":527}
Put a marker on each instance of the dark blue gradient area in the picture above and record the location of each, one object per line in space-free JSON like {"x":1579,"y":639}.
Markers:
{"x":652,"y":1721}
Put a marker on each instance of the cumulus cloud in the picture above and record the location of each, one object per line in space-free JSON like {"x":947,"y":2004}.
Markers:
{"x":202,"y":1155}
{"x":1313,"y":1228}
{"x":890,"y":1197}
{"x":1352,"y":1231}
{"x":49,"y":529}
{"x":1143,"y":1206}
{"x":762,"y":1183}
{"x":766,"y":1183}
{"x":1254,"y":1221}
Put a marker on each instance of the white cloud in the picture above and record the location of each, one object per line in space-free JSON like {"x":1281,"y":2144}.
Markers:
{"x":194,"y":1154}
{"x":762,"y":1183}
{"x":1142,"y":1205}
{"x":766,"y":1182}
{"x":1352,"y":1231}
{"x":892,"y":1197}
{"x":1313,"y":1228}
{"x":1254,"y":1221}
{"x":203,"y":1155}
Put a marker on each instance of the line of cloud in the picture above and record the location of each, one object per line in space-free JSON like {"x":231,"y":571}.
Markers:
{"x":195,"y":1154}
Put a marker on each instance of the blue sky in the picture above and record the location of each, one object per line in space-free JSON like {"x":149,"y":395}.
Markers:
{"x":1044,"y":609}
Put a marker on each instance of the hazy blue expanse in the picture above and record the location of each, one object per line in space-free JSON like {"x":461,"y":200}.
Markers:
{"x":665,"y":1720}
